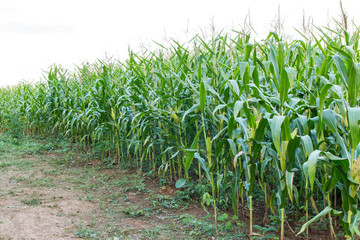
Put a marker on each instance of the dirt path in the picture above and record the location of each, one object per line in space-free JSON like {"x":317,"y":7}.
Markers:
{"x":38,"y":212}
{"x":51,"y":192}
{"x":38,"y":203}
{"x":42,"y":198}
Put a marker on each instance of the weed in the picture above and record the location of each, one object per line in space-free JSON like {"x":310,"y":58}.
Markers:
{"x":86,"y":233}
{"x":134,"y":212}
{"x":267,"y":232}
{"x":167,"y":202}
{"x":31,"y":202}
{"x":41,"y":182}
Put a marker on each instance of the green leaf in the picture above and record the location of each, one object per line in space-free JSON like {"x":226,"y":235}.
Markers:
{"x":307,"y":144}
{"x":203,"y":166}
{"x":354,"y":83}
{"x":248,"y":49}
{"x":219,"y":134}
{"x":345,"y":199}
{"x":330,"y":184}
{"x":243,"y":66}
{"x":330,"y":121}
{"x":231,"y":125}
{"x":322,"y":214}
{"x":273,"y":60}
{"x":218,"y":107}
{"x":343,"y":162}
{"x":323,"y":94}
{"x":246,"y":79}
{"x":202,"y":97}
{"x":255,"y":76}
{"x":289,"y":184}
{"x":190,"y":155}
{"x":250,"y":117}
{"x":237,"y":108}
{"x":291,"y":149}
{"x":285,"y":130}
{"x":275,"y":126}
{"x":192,"y":109}
{"x":180,"y":183}
{"x":311,"y":165}
{"x":284,"y":86}
{"x":219,"y":179}
{"x":236,"y":158}
{"x":260,"y":130}
{"x":199,"y":71}
{"x":272,"y":201}
{"x":232,"y":146}
{"x":343,"y":146}
{"x":306,"y":170}
{"x":354,"y":228}
{"x":291,"y":72}
{"x":263,"y":166}
{"x":235,"y":86}
{"x":354,"y":118}
{"x":219,"y":147}
{"x":281,"y":56}
{"x":341,"y":67}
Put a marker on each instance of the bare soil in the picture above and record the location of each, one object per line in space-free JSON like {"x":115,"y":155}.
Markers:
{"x":40,"y":212}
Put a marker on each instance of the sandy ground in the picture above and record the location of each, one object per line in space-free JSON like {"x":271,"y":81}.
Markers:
{"x":54,"y":214}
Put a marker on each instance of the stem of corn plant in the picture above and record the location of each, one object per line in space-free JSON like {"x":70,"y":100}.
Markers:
{"x":208,"y":150}
{"x":198,"y":147}
{"x":251,"y":216}
{"x":335,"y":199}
{"x":332,"y":232}
{"x":307,"y":207}
{"x":282,"y":222}
{"x":349,"y":221}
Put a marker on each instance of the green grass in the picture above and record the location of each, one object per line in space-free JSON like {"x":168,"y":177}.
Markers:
{"x":31,"y":202}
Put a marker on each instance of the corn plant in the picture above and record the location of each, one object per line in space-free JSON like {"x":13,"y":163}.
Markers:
{"x":232,"y":114}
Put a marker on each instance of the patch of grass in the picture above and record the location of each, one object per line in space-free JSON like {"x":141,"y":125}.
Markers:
{"x":5,"y":164}
{"x":60,"y":161}
{"x":135,"y":212}
{"x":79,"y":179}
{"x":152,"y":233}
{"x":266,"y":232}
{"x":50,"y":145}
{"x":14,"y":154}
{"x":86,"y":233}
{"x":89,"y":198}
{"x":31,"y":201}
{"x":130,"y":183}
{"x":24,"y":165}
{"x":168,"y":202}
{"x":53,"y":172}
{"x":197,"y":228}
{"x":40,"y":182}
{"x":17,"y":164}
{"x":18,"y":179}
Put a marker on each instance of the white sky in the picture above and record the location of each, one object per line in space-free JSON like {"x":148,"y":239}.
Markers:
{"x":35,"y":34}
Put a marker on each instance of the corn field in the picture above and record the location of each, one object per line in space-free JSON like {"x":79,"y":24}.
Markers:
{"x":241,"y":117}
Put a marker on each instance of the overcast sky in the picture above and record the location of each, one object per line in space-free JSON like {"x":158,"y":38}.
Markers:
{"x":35,"y":34}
